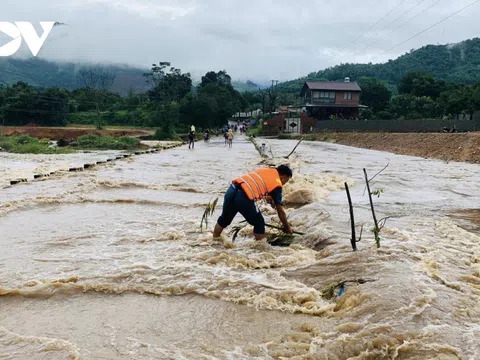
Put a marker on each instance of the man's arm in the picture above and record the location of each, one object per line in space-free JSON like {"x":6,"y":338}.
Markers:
{"x":283,"y":218}
{"x":277,"y":203}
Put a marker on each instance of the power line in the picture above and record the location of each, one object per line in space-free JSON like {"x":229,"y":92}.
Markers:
{"x":405,"y":13}
{"x":420,"y":13}
{"x":430,"y":27}
{"x":390,"y":23}
{"x":36,"y":111}
{"x":371,"y":27}
{"x":398,"y":27}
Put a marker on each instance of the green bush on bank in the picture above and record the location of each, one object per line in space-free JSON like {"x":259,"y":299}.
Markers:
{"x":257,"y":130}
{"x":24,"y":144}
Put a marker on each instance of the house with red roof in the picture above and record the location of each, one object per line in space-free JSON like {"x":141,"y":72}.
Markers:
{"x":325,"y":100}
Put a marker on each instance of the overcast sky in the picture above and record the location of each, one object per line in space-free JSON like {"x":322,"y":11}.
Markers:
{"x":257,"y":40}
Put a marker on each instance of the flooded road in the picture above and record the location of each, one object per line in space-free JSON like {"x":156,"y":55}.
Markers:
{"x":111,"y":263}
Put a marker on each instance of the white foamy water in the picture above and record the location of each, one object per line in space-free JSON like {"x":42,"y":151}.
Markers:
{"x":111,"y":263}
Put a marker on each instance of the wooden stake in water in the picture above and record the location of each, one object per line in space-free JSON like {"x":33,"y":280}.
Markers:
{"x":353,"y":240}
{"x":376,"y":229}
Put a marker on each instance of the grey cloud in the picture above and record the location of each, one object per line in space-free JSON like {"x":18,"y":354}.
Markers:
{"x":259,"y":39}
{"x":227,"y":34}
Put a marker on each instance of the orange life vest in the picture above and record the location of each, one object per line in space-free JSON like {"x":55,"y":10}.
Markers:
{"x":259,"y":183}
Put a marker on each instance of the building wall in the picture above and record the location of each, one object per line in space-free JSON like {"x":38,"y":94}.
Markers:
{"x":339,"y":97}
{"x":420,"y":125}
{"x":340,"y":100}
{"x":276,"y":124}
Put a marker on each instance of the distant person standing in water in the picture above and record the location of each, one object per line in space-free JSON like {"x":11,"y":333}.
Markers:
{"x":230,"y":137}
{"x":225,"y":135}
{"x":191,"y":139}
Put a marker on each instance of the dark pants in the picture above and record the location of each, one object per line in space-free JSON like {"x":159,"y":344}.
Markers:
{"x":191,"y":142}
{"x":236,"y":201}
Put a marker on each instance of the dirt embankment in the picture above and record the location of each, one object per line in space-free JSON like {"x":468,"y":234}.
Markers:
{"x":55,"y":133}
{"x":448,"y":147}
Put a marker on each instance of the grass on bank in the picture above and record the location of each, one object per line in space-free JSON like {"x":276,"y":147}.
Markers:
{"x":24,"y":144}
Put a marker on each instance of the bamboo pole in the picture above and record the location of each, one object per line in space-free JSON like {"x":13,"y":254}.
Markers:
{"x":353,"y":240}
{"x":376,"y":229}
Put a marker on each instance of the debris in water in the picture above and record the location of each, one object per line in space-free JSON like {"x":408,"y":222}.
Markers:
{"x":330,"y":291}
{"x":209,"y":211}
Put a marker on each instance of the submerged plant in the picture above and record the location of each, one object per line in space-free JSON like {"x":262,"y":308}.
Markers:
{"x":378,"y":192}
{"x":209,"y":211}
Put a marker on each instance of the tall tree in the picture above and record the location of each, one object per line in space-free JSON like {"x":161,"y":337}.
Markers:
{"x":167,"y":84}
{"x":374,"y":94}
{"x":97,"y":82}
{"x":169,"y":87}
{"x":420,"y":83}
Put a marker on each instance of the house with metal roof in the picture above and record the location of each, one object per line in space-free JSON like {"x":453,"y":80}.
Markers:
{"x":325,"y":100}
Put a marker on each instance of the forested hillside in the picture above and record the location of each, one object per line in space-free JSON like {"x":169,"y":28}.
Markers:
{"x":38,"y":72}
{"x":457,"y":63}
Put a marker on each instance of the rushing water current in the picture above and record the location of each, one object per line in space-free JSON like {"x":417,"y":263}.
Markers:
{"x":111,"y":263}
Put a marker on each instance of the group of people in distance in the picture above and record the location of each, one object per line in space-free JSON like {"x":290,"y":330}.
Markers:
{"x":227,"y":134}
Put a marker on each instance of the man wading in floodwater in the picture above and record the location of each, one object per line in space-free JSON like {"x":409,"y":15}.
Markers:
{"x":244,"y":193}
{"x":191,"y":139}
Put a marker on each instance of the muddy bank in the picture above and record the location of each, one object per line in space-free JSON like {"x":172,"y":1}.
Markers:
{"x":55,"y":133}
{"x":448,"y":147}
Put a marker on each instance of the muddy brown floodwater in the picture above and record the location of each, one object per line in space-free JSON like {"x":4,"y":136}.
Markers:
{"x":111,"y":263}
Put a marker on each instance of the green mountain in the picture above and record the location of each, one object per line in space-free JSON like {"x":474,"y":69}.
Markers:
{"x":246,"y":86}
{"x":42,"y":73}
{"x":458,"y":63}
{"x":38,"y":72}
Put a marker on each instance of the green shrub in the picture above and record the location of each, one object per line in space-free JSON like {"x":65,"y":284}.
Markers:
{"x":384,"y":115}
{"x":169,"y":134}
{"x":257,"y":130}
{"x":25,"y":139}
{"x":23,"y":144}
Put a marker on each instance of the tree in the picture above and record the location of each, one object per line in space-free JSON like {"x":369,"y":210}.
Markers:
{"x":466,"y":98}
{"x":253,"y":99}
{"x":419,"y":83}
{"x":214,"y":102}
{"x":53,"y":106}
{"x":169,"y":87}
{"x":218,"y":78}
{"x":19,"y":104}
{"x":374,"y":94}
{"x":409,"y":106}
{"x":402,"y":105}
{"x":97,"y":82}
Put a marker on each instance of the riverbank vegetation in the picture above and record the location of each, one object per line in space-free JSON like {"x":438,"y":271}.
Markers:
{"x":24,"y":144}
{"x":171,"y":105}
